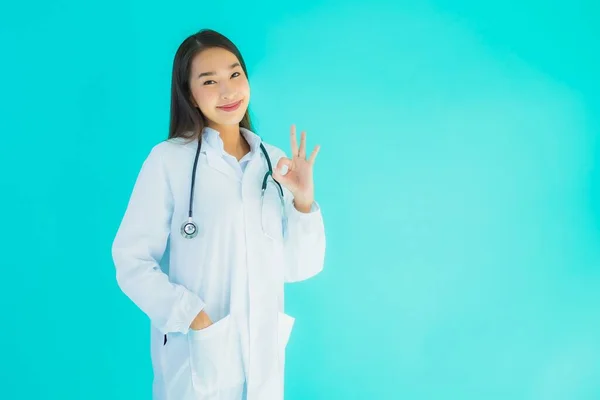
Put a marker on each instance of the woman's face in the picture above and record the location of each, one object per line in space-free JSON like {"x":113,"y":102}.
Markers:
{"x":219,"y":87}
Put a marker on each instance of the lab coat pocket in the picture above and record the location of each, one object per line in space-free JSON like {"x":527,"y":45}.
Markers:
{"x":285,"y":324}
{"x":216,"y":361}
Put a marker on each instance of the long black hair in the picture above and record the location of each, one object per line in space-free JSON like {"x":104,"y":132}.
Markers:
{"x":186,"y":120}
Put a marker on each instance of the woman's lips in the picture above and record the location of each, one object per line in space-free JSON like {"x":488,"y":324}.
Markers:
{"x":230,"y":107}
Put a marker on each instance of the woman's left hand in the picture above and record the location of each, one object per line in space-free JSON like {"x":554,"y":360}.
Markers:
{"x":299,"y":176}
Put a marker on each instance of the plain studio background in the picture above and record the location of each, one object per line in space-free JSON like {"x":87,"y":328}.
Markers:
{"x":459,"y":178}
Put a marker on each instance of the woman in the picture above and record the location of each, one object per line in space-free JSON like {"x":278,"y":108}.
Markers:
{"x":205,"y":254}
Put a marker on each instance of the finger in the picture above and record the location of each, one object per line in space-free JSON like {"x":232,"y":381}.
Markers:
{"x":283,"y":162}
{"x":294,"y":141}
{"x":279,"y":177}
{"x":283,"y":179}
{"x":302,"y":151}
{"x":313,"y":155}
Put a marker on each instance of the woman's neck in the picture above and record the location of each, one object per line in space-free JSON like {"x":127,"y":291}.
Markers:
{"x":234,"y":142}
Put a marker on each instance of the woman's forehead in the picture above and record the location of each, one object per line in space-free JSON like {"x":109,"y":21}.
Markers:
{"x":213,"y":59}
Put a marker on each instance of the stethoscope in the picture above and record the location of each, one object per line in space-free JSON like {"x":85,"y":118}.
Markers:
{"x":189,"y":229}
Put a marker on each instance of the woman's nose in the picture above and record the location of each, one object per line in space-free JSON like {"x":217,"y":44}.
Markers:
{"x":227,"y":91}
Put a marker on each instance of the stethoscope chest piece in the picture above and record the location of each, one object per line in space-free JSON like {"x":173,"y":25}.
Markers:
{"x":189,"y":229}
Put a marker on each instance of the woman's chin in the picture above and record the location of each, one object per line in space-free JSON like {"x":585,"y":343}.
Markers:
{"x":233,"y":119}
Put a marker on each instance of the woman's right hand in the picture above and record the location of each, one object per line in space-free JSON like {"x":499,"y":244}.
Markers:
{"x":201,"y":321}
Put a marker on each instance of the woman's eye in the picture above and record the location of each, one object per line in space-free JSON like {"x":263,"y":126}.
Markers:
{"x":210,"y":82}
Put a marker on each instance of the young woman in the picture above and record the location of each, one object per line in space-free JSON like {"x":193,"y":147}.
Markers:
{"x":217,"y":222}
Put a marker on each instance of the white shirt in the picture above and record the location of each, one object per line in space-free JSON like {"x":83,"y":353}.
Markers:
{"x":213,"y":139}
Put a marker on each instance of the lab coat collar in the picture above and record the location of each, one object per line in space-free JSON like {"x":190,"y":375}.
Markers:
{"x":212,"y":146}
{"x":253,"y":140}
{"x":212,"y":137}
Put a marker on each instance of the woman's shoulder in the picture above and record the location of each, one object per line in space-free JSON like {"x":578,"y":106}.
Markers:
{"x":169,"y":153}
{"x":173,"y":146}
{"x":178,"y":144}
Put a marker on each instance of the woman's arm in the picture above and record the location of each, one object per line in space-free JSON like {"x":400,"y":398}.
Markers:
{"x":304,"y":237}
{"x":304,"y":240}
{"x":139,"y":246}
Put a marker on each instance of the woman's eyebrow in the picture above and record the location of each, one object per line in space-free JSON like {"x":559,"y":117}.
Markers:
{"x":210,"y":73}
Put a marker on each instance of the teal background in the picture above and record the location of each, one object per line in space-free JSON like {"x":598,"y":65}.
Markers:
{"x":459,"y":178}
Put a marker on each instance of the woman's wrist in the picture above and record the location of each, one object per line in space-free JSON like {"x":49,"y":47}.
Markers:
{"x":201,"y":321}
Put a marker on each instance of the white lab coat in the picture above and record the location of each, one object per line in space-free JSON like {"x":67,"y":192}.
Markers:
{"x":232,"y":269}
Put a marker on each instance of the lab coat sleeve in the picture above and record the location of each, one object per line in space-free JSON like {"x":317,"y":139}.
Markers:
{"x":139,"y":245}
{"x":304,"y":241}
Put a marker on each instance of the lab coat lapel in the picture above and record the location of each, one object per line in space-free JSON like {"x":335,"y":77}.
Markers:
{"x":216,"y":162}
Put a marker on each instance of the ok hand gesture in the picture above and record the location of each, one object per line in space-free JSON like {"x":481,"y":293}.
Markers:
{"x":299,"y":176}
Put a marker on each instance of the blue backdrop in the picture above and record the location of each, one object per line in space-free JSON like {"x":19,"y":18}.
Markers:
{"x":459,"y":178}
